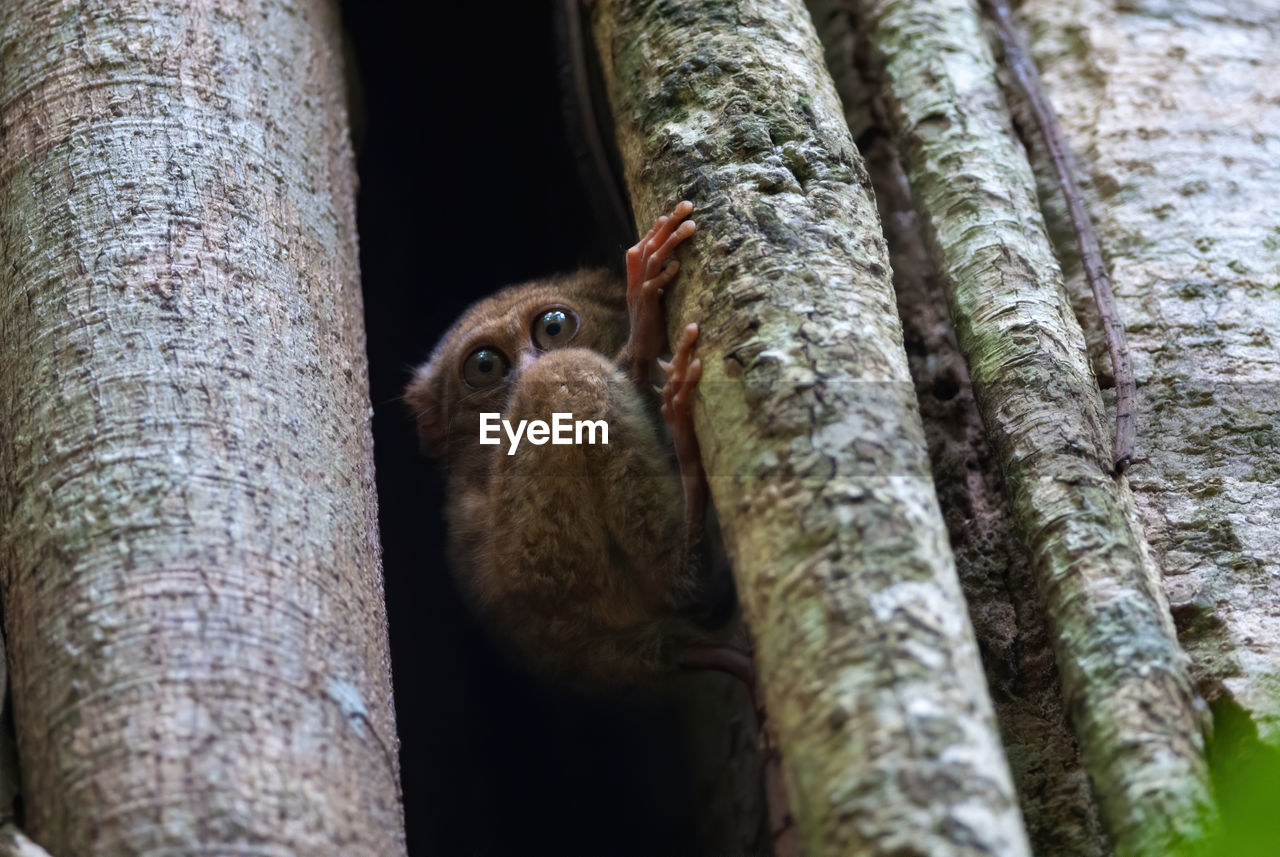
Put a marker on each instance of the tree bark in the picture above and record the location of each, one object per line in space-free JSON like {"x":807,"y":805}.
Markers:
{"x":992,"y":561}
{"x":13,"y":842}
{"x":1124,"y":677}
{"x":190,"y":563}
{"x":1184,"y":181}
{"x":1171,"y":111}
{"x":809,"y":427}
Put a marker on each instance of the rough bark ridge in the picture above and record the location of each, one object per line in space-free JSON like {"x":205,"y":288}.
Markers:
{"x":810,"y":429}
{"x":189,"y":551}
{"x":1173,"y":112}
{"x":994,"y":566}
{"x":1133,"y":706}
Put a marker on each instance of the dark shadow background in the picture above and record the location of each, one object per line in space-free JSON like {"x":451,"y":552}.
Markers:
{"x":466,"y":184}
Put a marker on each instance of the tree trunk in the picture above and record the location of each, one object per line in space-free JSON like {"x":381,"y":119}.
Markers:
{"x":810,"y":429}
{"x":1171,"y":110}
{"x":1183,"y":179}
{"x":1124,"y":677}
{"x":1161,"y":109}
{"x":190,"y":566}
{"x":991,"y":558}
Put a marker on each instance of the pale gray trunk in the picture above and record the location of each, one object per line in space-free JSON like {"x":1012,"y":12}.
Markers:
{"x":810,"y":430}
{"x":189,"y":553}
{"x":1173,"y":112}
{"x":991,"y":557}
{"x":1124,"y":677}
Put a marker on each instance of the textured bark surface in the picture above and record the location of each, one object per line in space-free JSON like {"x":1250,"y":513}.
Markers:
{"x":189,"y":551}
{"x":993,"y":563}
{"x":810,"y":429}
{"x":1132,"y":703}
{"x":1173,"y":112}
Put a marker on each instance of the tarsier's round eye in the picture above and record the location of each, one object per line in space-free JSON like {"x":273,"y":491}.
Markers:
{"x":554,"y":328}
{"x":484,"y":368}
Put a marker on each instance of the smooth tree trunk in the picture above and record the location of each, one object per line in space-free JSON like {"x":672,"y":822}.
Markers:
{"x":810,"y":429}
{"x":188,"y":549}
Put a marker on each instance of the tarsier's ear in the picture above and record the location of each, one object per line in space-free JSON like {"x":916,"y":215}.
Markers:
{"x":425,"y":397}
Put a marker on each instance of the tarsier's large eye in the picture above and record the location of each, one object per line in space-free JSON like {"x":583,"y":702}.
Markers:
{"x":484,"y":368}
{"x":554,"y":328}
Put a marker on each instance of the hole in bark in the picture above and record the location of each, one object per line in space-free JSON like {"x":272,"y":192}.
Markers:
{"x":946,"y":387}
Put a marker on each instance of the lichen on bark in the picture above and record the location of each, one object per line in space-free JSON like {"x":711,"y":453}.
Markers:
{"x":1171,"y":111}
{"x":1132,"y":704}
{"x":1184,"y":180}
{"x":810,"y":429}
{"x":991,"y":559}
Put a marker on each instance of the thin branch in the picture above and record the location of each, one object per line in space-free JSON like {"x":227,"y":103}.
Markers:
{"x":1028,"y":79}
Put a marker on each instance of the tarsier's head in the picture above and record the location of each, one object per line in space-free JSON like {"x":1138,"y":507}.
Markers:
{"x":474,"y":367}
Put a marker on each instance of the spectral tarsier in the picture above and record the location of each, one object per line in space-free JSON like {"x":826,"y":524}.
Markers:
{"x":587,"y":559}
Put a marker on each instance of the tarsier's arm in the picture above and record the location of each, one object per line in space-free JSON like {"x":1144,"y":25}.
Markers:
{"x":646,"y":279}
{"x":650,"y":269}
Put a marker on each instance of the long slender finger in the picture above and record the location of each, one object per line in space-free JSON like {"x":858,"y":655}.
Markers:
{"x":658,"y":257}
{"x":663,"y":229}
{"x":664,"y":276}
{"x":663,"y":226}
{"x":690,"y":335}
{"x":635,"y":265}
{"x":639,"y":252}
{"x":688,"y":338}
{"x":653,"y":230}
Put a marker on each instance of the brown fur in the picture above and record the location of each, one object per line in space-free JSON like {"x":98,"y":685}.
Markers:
{"x":577,"y":556}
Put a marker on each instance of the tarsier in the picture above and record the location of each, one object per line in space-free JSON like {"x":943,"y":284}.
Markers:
{"x":587,"y":559}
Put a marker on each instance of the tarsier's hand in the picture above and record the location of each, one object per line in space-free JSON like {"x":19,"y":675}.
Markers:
{"x":650,"y":269}
{"x":683,"y":373}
